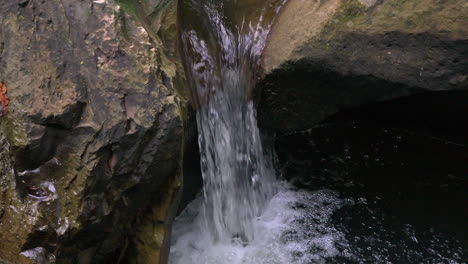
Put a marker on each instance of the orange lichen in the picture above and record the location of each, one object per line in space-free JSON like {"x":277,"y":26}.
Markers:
{"x":4,"y":101}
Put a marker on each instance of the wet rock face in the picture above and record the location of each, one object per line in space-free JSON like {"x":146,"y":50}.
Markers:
{"x":325,"y":56}
{"x":91,"y":145}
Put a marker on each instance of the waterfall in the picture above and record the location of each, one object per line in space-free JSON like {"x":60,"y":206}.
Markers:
{"x":245,"y":214}
{"x":237,"y":178}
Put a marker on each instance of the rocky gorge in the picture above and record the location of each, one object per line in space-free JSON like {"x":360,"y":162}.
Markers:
{"x":98,"y":136}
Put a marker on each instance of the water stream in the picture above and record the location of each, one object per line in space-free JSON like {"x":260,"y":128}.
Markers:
{"x":244,"y":214}
{"x":238,"y":179}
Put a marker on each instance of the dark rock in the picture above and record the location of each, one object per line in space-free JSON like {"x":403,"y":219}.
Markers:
{"x":92,"y":146}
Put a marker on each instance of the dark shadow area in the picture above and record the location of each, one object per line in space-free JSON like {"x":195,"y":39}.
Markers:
{"x":301,"y":94}
{"x":405,"y":161}
{"x":193,"y":181}
{"x":436,"y":114}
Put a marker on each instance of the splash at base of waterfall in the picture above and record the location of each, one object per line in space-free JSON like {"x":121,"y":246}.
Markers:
{"x":315,"y":227}
{"x":293,"y":228}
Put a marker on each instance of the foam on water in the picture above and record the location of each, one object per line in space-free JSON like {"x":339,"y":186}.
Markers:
{"x":293,"y":228}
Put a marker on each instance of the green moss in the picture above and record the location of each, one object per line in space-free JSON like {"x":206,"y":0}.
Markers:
{"x":397,"y":3}
{"x":70,"y":184}
{"x":393,"y":15}
{"x":124,"y":26}
{"x":129,"y":6}
{"x":14,"y":130}
{"x":349,"y":11}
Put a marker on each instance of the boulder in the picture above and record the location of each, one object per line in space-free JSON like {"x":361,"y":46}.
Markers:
{"x":327,"y":55}
{"x":91,"y":147}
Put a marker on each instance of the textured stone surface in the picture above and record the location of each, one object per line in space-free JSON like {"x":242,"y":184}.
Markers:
{"x":324,"y":56}
{"x":92,"y":145}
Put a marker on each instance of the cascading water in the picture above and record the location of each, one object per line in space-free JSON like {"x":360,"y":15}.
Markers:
{"x":245,"y":215}
{"x":244,"y":210}
{"x":237,"y":178}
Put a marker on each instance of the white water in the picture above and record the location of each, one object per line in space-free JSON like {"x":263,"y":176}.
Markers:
{"x":294,"y":227}
{"x":238,"y":179}
{"x":244,"y":215}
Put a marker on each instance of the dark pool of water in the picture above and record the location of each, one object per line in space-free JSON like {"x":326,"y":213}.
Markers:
{"x":409,"y":189}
